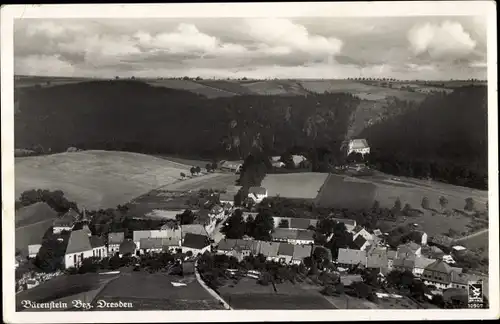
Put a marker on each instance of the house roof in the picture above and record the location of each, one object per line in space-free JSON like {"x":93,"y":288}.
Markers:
{"x":81,"y":226}
{"x":391,"y":254}
{"x":226,"y":197}
{"x":301,"y":251}
{"x":67,"y":220}
{"x":96,"y":241}
{"x":285,"y":249}
{"x":359,"y":241}
{"x":377,"y":232}
{"x":34,"y":248}
{"x":193,"y":229}
{"x":462,"y":278}
{"x":243,"y":245}
{"x":284,"y":234}
{"x":305,"y":235}
{"x":408,"y":249}
{"x":195,"y":241}
{"x":423,"y":262}
{"x":127,"y":246}
{"x":404,"y":263}
{"x":138,"y":235}
{"x":257,"y":190}
{"x":351,"y":256}
{"x":78,"y":242}
{"x":269,"y":249}
{"x":377,"y":258}
{"x":438,"y":266}
{"x":300,"y":223}
{"x":116,"y":237}
{"x":170,"y":241}
{"x":226,"y":244}
{"x":358,"y":143}
{"x":151,"y":243}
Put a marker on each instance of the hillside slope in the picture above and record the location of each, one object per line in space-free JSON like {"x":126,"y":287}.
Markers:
{"x":135,"y":116}
{"x":446,"y":138}
{"x":95,"y":179}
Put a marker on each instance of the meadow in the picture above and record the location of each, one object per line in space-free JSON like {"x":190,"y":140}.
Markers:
{"x":96,"y":179}
{"x":304,"y":185}
{"x":346,"y":192}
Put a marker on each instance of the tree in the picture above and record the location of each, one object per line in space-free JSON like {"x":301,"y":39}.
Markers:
{"x":284,"y":223}
{"x":376,"y":205}
{"x":197,"y":169}
{"x":214,"y":166}
{"x":192,"y":170}
{"x":287,"y":158}
{"x":264,"y":223}
{"x":187,"y":217}
{"x":208,"y":166}
{"x":234,"y":228}
{"x":397,"y":205}
{"x":183,"y":175}
{"x":425,"y":203}
{"x":469,"y":204}
{"x":407,"y":209}
{"x":249,"y":226}
{"x":443,"y":202}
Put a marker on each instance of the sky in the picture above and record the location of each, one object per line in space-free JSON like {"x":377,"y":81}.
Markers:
{"x":425,"y":47}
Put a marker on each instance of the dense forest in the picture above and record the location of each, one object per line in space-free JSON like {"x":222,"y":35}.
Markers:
{"x":134,"y":116}
{"x":444,"y":138}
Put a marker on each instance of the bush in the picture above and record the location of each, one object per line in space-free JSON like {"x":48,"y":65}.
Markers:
{"x":425,"y":203}
{"x":469,"y":204}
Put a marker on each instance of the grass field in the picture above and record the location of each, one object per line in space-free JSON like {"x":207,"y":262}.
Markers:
{"x":201,"y":89}
{"x":31,"y":81}
{"x":31,"y":234}
{"x":294,"y":185}
{"x":346,"y":192}
{"x":247,"y":294}
{"x":96,"y":179}
{"x":278,"y":87}
{"x":209,"y":181}
{"x":155,"y":292}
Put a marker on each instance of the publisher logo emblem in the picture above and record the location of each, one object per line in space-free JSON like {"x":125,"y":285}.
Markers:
{"x":475,"y":292}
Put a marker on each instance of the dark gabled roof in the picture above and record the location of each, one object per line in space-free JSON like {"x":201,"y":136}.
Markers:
{"x":301,"y":251}
{"x":359,"y":241}
{"x":305,"y":235}
{"x":67,"y":220}
{"x":257,"y":190}
{"x":96,"y":241}
{"x":79,"y":241}
{"x":226,"y":244}
{"x":404,"y":263}
{"x":377,"y":259}
{"x":195,"y":241}
{"x":226,"y":197}
{"x":350,"y":256}
{"x":285,"y":249}
{"x":269,"y":249}
{"x":116,"y":237}
{"x":300,"y":223}
{"x":284,"y":234}
{"x":151,"y":243}
{"x":127,"y":246}
{"x":438,"y":266}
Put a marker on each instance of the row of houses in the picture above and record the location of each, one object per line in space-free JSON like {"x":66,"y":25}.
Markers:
{"x":273,"y":251}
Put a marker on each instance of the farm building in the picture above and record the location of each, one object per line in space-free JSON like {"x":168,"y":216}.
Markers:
{"x":351,"y":257}
{"x":364,"y":233}
{"x":409,"y":250}
{"x":193,"y":229}
{"x":269,"y":250}
{"x":293,"y":236}
{"x":440,"y":274}
{"x":358,"y":146}
{"x":98,"y":247}
{"x":257,"y":194}
{"x":403,"y":264}
{"x":115,"y":239}
{"x":197,"y":244}
{"x":231,"y":166}
{"x":65,"y":222}
{"x":285,"y":253}
{"x":420,"y":264}
{"x":300,"y":252}
{"x":151,"y":245}
{"x":377,"y":258}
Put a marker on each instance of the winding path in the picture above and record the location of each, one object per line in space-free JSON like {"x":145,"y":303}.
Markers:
{"x":472,"y":235}
{"x":208,"y":289}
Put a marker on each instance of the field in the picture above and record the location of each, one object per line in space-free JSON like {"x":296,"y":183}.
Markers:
{"x":155,"y":292}
{"x":281,"y":87}
{"x":96,"y":179}
{"x":188,"y":162}
{"x":209,"y":181}
{"x":229,"y":86}
{"x":247,"y":294}
{"x":346,"y":192}
{"x":31,"y":81}
{"x":294,"y":185}
{"x":195,"y":87}
{"x":31,"y":234}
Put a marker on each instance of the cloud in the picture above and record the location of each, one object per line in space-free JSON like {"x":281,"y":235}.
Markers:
{"x":447,"y":40}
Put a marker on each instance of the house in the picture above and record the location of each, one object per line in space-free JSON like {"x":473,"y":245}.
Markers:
{"x":82,"y":225}
{"x":351,"y":257}
{"x":226,"y":198}
{"x":403,"y":264}
{"x":293,"y":236}
{"x":440,"y":274}
{"x":377,"y":259}
{"x":33,"y":250}
{"x":216,"y":212}
{"x":197,"y":229}
{"x":461,"y":280}
{"x":231,"y":166}
{"x":197,"y":244}
{"x":78,"y":248}
{"x":443,"y":242}
{"x":391,"y":256}
{"x":128,"y":247}
{"x":269,"y":250}
{"x":300,"y":252}
{"x":301,"y":223}
{"x":285,"y":253}
{"x":350,"y":224}
{"x":409,"y":250}
{"x":432,"y":252}
{"x":364,"y":233}
{"x":418,"y":237}
{"x":421,"y":263}
{"x":377,"y":232}
{"x":358,"y":146}
{"x":137,"y":236}
{"x":298,"y":159}
{"x":237,"y":248}
{"x":115,"y":239}
{"x":360,"y":243}
{"x":304,"y":237}
{"x":257,"y":194}
{"x":98,"y":247}
{"x":278,"y":164}
{"x":170,"y":235}
{"x":65,"y":222}
{"x":151,"y":245}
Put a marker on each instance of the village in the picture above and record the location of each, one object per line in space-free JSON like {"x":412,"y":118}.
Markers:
{"x":219,"y":223}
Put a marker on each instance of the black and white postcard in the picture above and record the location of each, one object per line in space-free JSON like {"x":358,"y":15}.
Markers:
{"x":254,"y":161}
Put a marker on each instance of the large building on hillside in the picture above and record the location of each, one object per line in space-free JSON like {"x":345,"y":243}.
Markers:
{"x":356,"y":146}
